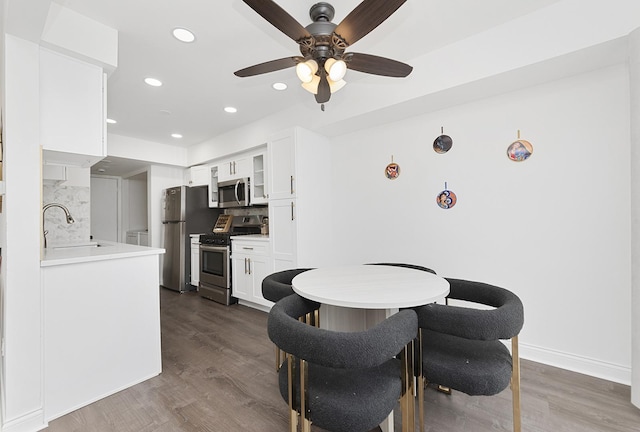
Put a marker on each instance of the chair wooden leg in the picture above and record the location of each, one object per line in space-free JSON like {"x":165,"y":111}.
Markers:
{"x":278,"y":362}
{"x":515,"y":385}
{"x":293,"y":414}
{"x":407,"y":399}
{"x":421,"y":382}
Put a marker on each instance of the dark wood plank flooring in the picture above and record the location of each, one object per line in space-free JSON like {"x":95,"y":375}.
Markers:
{"x":219,"y":375}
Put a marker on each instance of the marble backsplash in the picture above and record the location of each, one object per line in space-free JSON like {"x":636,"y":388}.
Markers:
{"x":78,"y":200}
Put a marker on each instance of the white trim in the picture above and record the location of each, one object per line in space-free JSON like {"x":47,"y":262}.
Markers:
{"x":584,"y":365}
{"x":31,"y":422}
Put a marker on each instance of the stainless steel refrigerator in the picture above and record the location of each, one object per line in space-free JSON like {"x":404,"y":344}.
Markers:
{"x":186,"y":211}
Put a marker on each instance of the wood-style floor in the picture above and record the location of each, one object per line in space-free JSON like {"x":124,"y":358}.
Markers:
{"x":219,"y":375}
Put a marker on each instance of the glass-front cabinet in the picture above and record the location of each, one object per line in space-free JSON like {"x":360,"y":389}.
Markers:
{"x":213,"y":186}
{"x":258,"y":182}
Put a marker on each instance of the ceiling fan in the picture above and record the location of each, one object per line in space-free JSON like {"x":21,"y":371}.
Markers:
{"x":322,"y":44}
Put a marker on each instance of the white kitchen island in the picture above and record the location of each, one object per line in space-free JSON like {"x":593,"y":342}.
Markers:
{"x":101,"y":322}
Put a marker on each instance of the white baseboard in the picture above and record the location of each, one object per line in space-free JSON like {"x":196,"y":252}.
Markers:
{"x":32,"y":422}
{"x":583,"y":365}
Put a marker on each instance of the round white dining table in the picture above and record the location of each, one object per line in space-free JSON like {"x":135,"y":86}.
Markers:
{"x":370,"y":286}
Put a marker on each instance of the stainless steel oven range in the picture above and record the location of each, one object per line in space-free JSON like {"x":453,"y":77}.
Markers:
{"x":215,"y":259}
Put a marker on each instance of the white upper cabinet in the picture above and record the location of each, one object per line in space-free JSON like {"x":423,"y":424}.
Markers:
{"x":72,"y":110}
{"x":258,"y":182}
{"x":282,"y":170}
{"x":213,"y":186}
{"x":198,"y":175}
{"x":235,"y":169}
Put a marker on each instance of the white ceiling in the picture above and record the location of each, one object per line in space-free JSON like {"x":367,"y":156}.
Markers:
{"x":198,"y":77}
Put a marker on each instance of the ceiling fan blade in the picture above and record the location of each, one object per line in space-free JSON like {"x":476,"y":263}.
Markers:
{"x":270,"y":66}
{"x":324,"y":91}
{"x":279,"y":18}
{"x":365,"y":17}
{"x":375,"y":65}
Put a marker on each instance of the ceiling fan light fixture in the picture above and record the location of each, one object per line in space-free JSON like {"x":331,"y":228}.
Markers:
{"x":306,"y":71}
{"x":312,"y":86}
{"x":335,"y":68}
{"x":334,"y":86}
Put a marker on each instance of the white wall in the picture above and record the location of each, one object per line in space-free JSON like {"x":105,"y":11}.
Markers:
{"x":554,"y":229}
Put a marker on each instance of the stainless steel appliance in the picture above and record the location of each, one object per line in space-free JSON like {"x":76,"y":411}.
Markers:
{"x":215,"y":257}
{"x":233,"y":193}
{"x":186,"y":211}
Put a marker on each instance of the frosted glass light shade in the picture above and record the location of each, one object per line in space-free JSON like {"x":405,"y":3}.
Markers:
{"x":312,"y":86}
{"x":336,"y":69}
{"x":306,"y":70}
{"x":334,"y":86}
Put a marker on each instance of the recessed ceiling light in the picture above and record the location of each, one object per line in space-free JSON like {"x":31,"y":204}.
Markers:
{"x":111,"y":121}
{"x":176,"y":135}
{"x":183,"y":35}
{"x":101,"y":170}
{"x":230,"y":109}
{"x":153,"y":82}
{"x":165,"y":112}
{"x":279,"y":86}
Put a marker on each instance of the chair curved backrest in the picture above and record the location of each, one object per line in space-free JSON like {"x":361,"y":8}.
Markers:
{"x":411,"y":266}
{"x":277,"y":285}
{"x":340,"y":381}
{"x":503,"y":321}
{"x":364,"y":349}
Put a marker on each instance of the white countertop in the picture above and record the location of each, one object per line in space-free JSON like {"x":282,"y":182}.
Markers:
{"x":370,"y":286}
{"x":104,"y":251}
{"x":252,"y":237}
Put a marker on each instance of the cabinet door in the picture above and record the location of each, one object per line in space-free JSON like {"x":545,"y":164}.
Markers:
{"x":281,"y":173}
{"x":195,"y":264}
{"x":213,"y":186}
{"x":234,"y":169}
{"x":198,"y":176}
{"x":258,"y":182}
{"x":282,"y":233}
{"x":242,"y":167}
{"x":240,"y":277}
{"x":260,"y":266}
{"x":72,"y":112}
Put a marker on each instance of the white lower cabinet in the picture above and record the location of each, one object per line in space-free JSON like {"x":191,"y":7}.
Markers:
{"x":195,"y":259}
{"x":251,"y":263}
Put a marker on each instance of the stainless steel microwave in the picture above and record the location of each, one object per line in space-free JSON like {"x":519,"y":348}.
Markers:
{"x":233,"y":193}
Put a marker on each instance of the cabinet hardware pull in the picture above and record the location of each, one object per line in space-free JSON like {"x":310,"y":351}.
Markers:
{"x":249,"y":259}
{"x":247,"y":248}
{"x":292,"y":210}
{"x":291,"y":185}
{"x":230,"y":169}
{"x":234,"y":167}
{"x":245,"y":266}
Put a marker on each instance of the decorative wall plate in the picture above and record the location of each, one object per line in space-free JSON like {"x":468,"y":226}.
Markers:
{"x":392,"y":171}
{"x":443,"y":143}
{"x":446,"y":199}
{"x":519,"y":150}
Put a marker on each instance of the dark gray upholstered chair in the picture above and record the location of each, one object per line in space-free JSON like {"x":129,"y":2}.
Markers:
{"x":342,"y":381}
{"x":461,"y":347}
{"x":412,"y":266}
{"x":277,"y":286}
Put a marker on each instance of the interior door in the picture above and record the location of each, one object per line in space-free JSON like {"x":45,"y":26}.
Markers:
{"x":105,"y":209}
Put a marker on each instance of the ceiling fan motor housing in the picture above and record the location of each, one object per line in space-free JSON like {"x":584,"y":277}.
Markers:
{"x":322,"y":31}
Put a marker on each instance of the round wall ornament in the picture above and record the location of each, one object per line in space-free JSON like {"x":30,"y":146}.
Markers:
{"x":446,"y":199}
